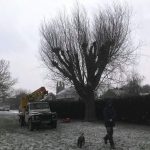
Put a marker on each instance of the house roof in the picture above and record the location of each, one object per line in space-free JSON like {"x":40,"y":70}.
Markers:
{"x":70,"y":90}
{"x":67,"y":93}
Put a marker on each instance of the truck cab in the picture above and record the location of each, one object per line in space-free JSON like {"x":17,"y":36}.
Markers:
{"x":39,"y":113}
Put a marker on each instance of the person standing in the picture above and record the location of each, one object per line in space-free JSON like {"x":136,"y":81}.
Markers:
{"x":23,"y":116}
{"x":109,"y":119}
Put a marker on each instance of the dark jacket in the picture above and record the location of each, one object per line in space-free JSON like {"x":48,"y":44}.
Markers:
{"x":109,"y":116}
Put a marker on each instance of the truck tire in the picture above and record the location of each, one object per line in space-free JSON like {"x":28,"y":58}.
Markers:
{"x":21,"y":121}
{"x":54,"y":124}
{"x":30,"y":125}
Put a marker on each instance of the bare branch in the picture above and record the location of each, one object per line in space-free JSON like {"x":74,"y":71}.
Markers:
{"x":6,"y":82}
{"x":87,"y":52}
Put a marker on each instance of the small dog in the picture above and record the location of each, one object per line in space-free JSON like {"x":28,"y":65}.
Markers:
{"x":81,"y":140}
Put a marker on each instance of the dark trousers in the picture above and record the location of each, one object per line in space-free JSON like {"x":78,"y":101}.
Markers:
{"x":22,"y":121}
{"x":109,"y":136}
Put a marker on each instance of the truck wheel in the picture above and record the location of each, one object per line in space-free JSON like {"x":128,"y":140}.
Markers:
{"x":30,"y":125}
{"x":21,"y":121}
{"x":54,"y":124}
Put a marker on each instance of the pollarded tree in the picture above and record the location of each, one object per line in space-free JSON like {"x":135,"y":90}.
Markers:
{"x":6,"y":81}
{"x":134,"y":84}
{"x":85,"y":52}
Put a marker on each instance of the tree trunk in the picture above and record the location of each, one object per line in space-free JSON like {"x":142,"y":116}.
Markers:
{"x":90,"y":114}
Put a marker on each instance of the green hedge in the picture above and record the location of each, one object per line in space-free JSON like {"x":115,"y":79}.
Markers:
{"x":130,"y":109}
{"x":68,"y":108}
{"x":133,"y":109}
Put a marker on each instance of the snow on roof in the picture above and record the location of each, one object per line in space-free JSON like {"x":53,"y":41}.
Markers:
{"x":70,"y":90}
{"x":67,"y":93}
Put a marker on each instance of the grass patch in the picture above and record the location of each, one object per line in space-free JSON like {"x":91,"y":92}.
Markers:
{"x":10,"y":123}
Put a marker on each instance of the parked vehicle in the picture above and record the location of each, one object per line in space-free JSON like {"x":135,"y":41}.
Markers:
{"x":7,"y":108}
{"x":36,"y":113}
{"x":4,"y":108}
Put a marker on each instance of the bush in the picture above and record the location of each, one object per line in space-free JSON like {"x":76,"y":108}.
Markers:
{"x":66,"y":108}
{"x":129,"y":109}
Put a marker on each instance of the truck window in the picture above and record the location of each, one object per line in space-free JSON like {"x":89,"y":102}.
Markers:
{"x":39,"y":106}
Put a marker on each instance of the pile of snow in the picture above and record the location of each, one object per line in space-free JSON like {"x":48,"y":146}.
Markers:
{"x":126,"y":136}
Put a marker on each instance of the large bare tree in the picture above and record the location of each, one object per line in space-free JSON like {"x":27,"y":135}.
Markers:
{"x":86,"y":52}
{"x":6,"y":81}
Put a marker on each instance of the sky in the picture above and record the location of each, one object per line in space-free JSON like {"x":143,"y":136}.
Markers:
{"x":20,"y":22}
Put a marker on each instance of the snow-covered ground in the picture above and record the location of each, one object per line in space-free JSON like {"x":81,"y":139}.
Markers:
{"x":126,"y":136}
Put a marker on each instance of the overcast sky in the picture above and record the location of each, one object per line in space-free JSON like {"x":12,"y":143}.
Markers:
{"x":20,"y":21}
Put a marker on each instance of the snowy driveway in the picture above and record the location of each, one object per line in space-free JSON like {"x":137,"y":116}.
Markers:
{"x":126,"y":137}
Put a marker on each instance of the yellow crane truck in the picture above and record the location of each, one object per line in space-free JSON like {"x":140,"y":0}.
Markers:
{"x":34,"y":112}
